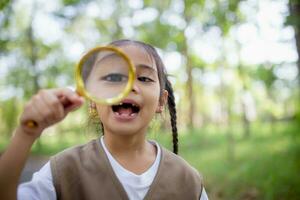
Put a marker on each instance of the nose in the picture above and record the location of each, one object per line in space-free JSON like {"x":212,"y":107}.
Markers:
{"x":135,"y":87}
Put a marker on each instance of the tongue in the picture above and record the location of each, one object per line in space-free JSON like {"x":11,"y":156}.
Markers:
{"x":125,"y":111}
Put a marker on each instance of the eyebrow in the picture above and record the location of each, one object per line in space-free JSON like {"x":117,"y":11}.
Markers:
{"x":109,"y":55}
{"x":146,"y":67}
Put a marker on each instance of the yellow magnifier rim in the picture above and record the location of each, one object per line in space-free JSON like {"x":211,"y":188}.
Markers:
{"x":80,"y":89}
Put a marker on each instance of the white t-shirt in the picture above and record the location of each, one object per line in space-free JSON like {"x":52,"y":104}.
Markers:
{"x":136,"y":186}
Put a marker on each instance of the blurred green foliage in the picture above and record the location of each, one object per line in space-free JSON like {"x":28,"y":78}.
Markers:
{"x":4,"y":3}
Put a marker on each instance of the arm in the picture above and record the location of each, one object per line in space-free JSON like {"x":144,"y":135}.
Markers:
{"x":46,"y":108}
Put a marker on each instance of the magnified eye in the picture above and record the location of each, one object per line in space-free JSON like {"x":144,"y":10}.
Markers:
{"x":114,"y":77}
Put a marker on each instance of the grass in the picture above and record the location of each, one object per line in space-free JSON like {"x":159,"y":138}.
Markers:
{"x":264,"y":166}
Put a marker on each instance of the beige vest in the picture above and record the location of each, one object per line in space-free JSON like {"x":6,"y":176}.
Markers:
{"x":84,"y":172}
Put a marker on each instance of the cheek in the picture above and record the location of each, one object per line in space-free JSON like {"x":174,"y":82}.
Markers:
{"x":153,"y":95}
{"x":102,"y":111}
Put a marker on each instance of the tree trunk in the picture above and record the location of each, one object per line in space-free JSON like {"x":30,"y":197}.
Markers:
{"x":245,"y":120}
{"x":293,"y":19}
{"x":189,"y":88}
{"x":33,"y":60}
{"x":246,"y":123}
{"x":297,"y":37}
{"x":294,"y":7}
{"x":230,"y":136}
{"x":189,"y":69}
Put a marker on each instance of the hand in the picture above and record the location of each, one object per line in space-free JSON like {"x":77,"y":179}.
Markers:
{"x":48,"y":107}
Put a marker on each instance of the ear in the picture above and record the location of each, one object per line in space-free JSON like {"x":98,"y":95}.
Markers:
{"x":162,"y":102}
{"x":92,"y":105}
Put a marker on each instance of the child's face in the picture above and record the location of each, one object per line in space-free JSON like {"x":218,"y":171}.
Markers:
{"x":139,"y":107}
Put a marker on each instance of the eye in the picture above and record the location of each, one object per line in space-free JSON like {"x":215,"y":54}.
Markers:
{"x":145,"y":79}
{"x":114,"y":77}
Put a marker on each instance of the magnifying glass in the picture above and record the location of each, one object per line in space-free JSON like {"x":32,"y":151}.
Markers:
{"x":104,"y":75}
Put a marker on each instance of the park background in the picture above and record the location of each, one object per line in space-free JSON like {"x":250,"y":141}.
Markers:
{"x":234,"y":65}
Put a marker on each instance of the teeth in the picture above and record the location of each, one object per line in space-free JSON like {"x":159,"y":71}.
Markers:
{"x":134,"y":105}
{"x":120,"y":104}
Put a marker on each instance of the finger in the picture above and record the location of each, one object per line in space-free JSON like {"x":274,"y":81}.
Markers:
{"x":69,"y":98}
{"x":69,"y":94}
{"x":54,"y":104}
{"x":47,"y":116}
{"x":74,"y":106}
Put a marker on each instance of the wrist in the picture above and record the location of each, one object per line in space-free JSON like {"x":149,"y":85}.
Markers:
{"x":26,"y":135}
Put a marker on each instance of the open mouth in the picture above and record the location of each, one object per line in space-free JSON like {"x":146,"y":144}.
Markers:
{"x":126,"y":109}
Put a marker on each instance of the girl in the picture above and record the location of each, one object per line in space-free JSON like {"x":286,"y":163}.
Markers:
{"x":122,"y":164}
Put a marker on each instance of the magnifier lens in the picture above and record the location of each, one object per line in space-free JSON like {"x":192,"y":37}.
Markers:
{"x":106,"y":75}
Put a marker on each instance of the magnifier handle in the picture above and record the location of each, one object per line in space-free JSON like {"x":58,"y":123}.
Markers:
{"x":31,"y":124}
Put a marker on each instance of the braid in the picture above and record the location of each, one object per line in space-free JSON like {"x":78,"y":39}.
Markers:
{"x":173,"y":116}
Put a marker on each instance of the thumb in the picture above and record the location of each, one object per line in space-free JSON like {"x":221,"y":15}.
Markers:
{"x":69,"y":99}
{"x":75,"y":104}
